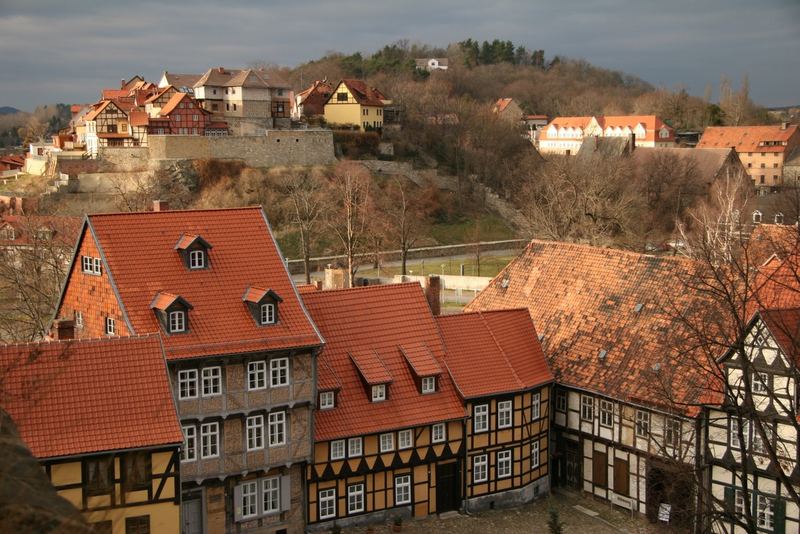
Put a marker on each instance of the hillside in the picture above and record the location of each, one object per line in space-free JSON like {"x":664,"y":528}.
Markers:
{"x":8,"y":110}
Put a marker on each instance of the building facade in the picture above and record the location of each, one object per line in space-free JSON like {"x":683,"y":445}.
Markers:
{"x":564,"y":135}
{"x":355,"y":104}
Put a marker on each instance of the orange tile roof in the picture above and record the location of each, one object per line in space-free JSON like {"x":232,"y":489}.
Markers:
{"x":419,"y":357}
{"x":501,"y":104}
{"x":604,"y":317}
{"x":140,"y":256}
{"x":784,"y":325}
{"x":380,"y":319}
{"x":370,"y":367}
{"x":64,"y":230}
{"x":139,"y":118}
{"x":173,"y":102}
{"x":748,"y":138}
{"x":81,"y":397}
{"x":363,"y":93}
{"x":493,"y":352}
{"x":162,"y":301}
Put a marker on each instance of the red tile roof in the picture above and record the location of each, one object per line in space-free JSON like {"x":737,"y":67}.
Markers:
{"x":173,"y":102}
{"x":605,"y":317}
{"x":82,"y":397}
{"x":784,"y":325}
{"x":64,"y":230}
{"x":381,"y":319}
{"x":140,"y":256}
{"x":501,"y":104}
{"x":363,"y":93}
{"x":493,"y":352}
{"x":370,"y":366}
{"x":749,"y":138}
{"x":419,"y":357}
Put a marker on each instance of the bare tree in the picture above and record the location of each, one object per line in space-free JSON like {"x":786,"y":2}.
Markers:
{"x":306,"y":197}
{"x":405,"y":216}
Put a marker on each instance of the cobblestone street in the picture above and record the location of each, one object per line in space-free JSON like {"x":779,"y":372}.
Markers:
{"x":532,"y":518}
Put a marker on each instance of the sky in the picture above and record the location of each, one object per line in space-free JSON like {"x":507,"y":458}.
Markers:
{"x":67,"y":50}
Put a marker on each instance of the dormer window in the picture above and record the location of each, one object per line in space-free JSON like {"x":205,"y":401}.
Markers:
{"x":172,"y":311}
{"x":197,"y":259}
{"x":423,"y":366}
{"x":177,"y":321}
{"x":374,"y":375}
{"x":379,"y":393}
{"x":756,"y":217}
{"x":429,"y":384}
{"x":262,"y":304}
{"x":194,"y":251}
{"x":327,"y":400}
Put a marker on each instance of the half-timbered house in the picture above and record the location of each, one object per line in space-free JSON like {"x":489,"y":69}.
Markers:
{"x":353,"y":103}
{"x":389,"y":429}
{"x":107,"y":125}
{"x":100,"y":418}
{"x":497,"y":364}
{"x":240,"y":348}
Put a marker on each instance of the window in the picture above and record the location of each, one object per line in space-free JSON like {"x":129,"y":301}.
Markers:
{"x":279,"y":372}
{"x":379,"y":393}
{"x":255,"y":432}
{"x":189,"y":452}
{"x":387,"y":442}
{"x":438,"y":433}
{"x":757,"y":214}
{"x":178,"y":118}
{"x":759,"y":447}
{"x":209,"y":440}
{"x":326,"y":400}
{"x":765,"y":512}
{"x":177,"y":321}
{"x":111,"y":326}
{"x":341,"y":97}
{"x":503,"y":464}
{"x":642,"y":423}
{"x":267,"y":313}
{"x":606,"y":413}
{"x":480,"y":418}
{"x":78,"y":319}
{"x":249,"y":499}
{"x":779,"y":218}
{"x":759,"y":383}
{"x":536,"y":405}
{"x":337,"y":449}
{"x":98,"y":479}
{"x":672,"y":433}
{"x":137,"y":470}
{"x":405,"y":439}
{"x":197,"y":259}
{"x":187,"y":384}
{"x":402,"y":490}
{"x":327,"y":503}
{"x":89,"y":265}
{"x":354,"y":447}
{"x":355,"y":498}
{"x":561,"y":401}
{"x":587,"y":408}
{"x":195,"y":118}
{"x":139,"y":524}
{"x":535,"y":454}
{"x":504,"y":414}
{"x":739,"y":503}
{"x":234,"y":107}
{"x":479,"y":469}
{"x":271,"y":496}
{"x":256,"y":375}
{"x":212,"y":381}
{"x":429,"y":384}
{"x":734,"y":433}
{"x":277,"y":429}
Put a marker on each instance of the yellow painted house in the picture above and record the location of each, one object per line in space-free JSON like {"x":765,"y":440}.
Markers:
{"x":99,"y":417}
{"x":353,"y":103}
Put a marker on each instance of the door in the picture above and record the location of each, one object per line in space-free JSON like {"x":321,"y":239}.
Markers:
{"x":448,"y":487}
{"x":192,"y":516}
{"x":572,"y":464}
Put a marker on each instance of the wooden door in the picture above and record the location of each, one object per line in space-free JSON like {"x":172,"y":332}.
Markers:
{"x":192,"y":516}
{"x":621,"y":477}
{"x":448,"y":487}
{"x":572,"y":465}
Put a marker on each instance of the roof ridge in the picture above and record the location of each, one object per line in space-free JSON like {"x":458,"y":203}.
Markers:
{"x":483,"y":312}
{"x":520,"y":383}
{"x":599,"y":249}
{"x":192,"y":210}
{"x":115,"y":339}
{"x":363,"y":288}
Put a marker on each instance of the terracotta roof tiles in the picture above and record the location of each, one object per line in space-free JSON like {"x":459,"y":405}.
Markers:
{"x":419,"y":357}
{"x":748,"y":138}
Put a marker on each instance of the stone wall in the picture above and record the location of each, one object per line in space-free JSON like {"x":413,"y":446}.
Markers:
{"x":276,"y":148}
{"x":123,"y":159}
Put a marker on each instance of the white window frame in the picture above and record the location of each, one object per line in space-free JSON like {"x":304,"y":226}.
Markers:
{"x":337,"y":449}
{"x":255,"y":432}
{"x":78,"y":319}
{"x":267,"y":313}
{"x":197,"y":259}
{"x":438,"y":433}
{"x":757,"y":444}
{"x":672,"y":432}
{"x":535,"y":454}
{"x":480,"y":468}
{"x":277,"y":429}
{"x":177,"y":321}
{"x":189,"y":451}
{"x":211,"y":381}
{"x":271,"y":493}
{"x":505,"y":413}
{"x":276,"y":367}
{"x":355,"y":498}
{"x":405,"y":439}
{"x":111,"y":326}
{"x":327,"y":400}
{"x":480,"y":418}
{"x":561,"y":400}
{"x":209,"y":440}
{"x":738,"y":503}
{"x":503,"y":464}
{"x":536,"y":405}
{"x":98,"y":271}
{"x":355,"y":447}
{"x":249,"y":496}
{"x":606,"y":413}
{"x":402,"y":490}
{"x":428,"y":384}
{"x":91,"y":265}
{"x":642,"y":426}
{"x":379,"y":393}
{"x":387,"y":442}
{"x":256,"y":375}
{"x":765,"y":511}
{"x":733,"y":429}
{"x":187,"y":382}
{"x":587,"y":408}
{"x":326,"y":503}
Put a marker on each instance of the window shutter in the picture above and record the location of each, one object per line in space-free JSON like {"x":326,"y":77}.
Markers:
{"x":730,"y":500}
{"x":286,"y":493}
{"x":780,"y":516}
{"x":237,"y":503}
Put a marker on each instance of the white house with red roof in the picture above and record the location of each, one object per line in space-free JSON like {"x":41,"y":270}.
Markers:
{"x":564,"y":135}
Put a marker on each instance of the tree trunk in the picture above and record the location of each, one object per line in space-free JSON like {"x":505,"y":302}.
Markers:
{"x":403,"y":260}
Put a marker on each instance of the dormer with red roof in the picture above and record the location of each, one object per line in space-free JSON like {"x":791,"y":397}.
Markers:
{"x":263,"y":305}
{"x":172,"y":312}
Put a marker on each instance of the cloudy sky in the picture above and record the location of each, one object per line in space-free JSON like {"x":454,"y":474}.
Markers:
{"x":66,"y":50}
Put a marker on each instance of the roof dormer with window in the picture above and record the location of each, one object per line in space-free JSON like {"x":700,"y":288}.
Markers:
{"x":172,"y":311}
{"x":374,"y":374}
{"x":263,"y":305}
{"x":423,"y":366}
{"x":194,"y":251}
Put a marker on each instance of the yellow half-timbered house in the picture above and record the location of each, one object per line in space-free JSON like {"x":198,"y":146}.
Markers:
{"x":354,"y":103}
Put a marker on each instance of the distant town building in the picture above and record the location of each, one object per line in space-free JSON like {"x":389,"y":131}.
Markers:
{"x":508,"y":110}
{"x":354,"y":103}
{"x":432,"y":63}
{"x":565,"y":135}
{"x":310,"y":102}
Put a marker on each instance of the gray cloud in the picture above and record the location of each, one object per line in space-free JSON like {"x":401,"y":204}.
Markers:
{"x":51,"y":50}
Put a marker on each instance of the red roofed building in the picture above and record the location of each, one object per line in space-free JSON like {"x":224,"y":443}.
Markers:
{"x":389,"y":431}
{"x":240,"y":348}
{"x":508,"y":110}
{"x":355,"y":104}
{"x":498,"y":366}
{"x":311,"y":101}
{"x":100,"y":417}
{"x":564,"y":135}
{"x":762,"y":149}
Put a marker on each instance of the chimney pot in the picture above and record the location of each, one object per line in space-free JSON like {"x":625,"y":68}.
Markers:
{"x":433,"y":293}
{"x":64,"y":329}
{"x":784,"y":125}
{"x":160,"y":205}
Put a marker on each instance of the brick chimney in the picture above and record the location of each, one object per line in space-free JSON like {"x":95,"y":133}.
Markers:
{"x":336,"y":278}
{"x":63,"y":329}
{"x":160,"y":205}
{"x":433,"y":292}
